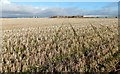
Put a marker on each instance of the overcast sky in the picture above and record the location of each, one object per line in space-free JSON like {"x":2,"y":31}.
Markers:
{"x":46,"y":9}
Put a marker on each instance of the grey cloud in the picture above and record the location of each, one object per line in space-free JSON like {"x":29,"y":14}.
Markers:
{"x":61,"y":11}
{"x":14,"y":10}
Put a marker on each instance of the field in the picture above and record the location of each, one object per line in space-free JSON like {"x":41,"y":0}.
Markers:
{"x":55,"y":45}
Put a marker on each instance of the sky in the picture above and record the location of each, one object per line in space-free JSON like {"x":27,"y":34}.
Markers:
{"x":64,"y":0}
{"x":46,"y":9}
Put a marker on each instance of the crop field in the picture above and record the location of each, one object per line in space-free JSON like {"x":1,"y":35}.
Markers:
{"x":60,"y":45}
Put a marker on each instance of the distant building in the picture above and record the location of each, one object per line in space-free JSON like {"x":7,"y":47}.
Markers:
{"x":99,"y":16}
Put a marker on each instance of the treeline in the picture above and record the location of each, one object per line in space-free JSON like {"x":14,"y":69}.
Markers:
{"x":66,"y":16}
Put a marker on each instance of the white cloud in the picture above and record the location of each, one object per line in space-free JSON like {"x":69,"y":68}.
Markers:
{"x":5,"y":1}
{"x":13,"y":10}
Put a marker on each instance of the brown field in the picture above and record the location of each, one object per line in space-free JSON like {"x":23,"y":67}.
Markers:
{"x":60,"y":44}
{"x":17,"y":23}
